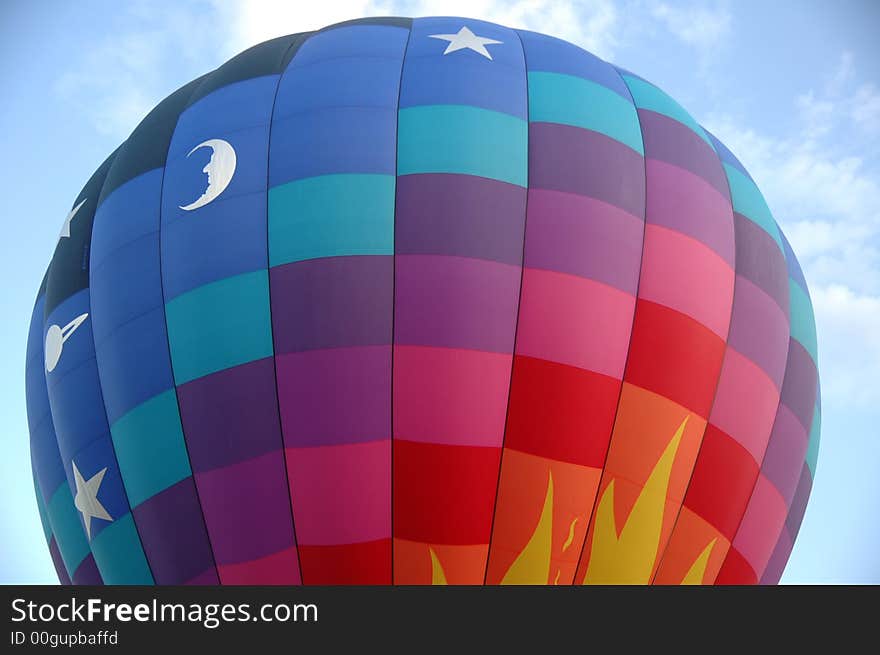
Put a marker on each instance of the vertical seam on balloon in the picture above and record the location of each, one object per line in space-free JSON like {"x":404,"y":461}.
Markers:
{"x":522,"y":267}
{"x":101,"y":386}
{"x":42,"y":320}
{"x":296,"y":43}
{"x":662,"y":555}
{"x":632,"y":328}
{"x":168,"y":341}
{"x":394,"y":276}
{"x":791,"y":338}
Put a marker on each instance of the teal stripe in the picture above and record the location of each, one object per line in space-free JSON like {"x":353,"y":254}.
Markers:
{"x":119,"y":556}
{"x":802,"y":319}
{"x":68,"y":530}
{"x":748,"y":201}
{"x":331,"y":215}
{"x":219,"y":325}
{"x":462,"y":139}
{"x":813,"y":447}
{"x":647,"y":96}
{"x":570,"y":100}
{"x":41,"y":508}
{"x":150,"y":448}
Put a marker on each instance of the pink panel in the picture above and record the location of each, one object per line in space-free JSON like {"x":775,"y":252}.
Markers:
{"x":745,"y":403}
{"x":574,"y":321}
{"x":450,"y":396}
{"x":684,"y":274}
{"x":341,"y":494}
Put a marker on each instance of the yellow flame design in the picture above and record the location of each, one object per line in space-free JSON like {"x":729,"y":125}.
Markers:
{"x":532,"y":565}
{"x":570,"y":536}
{"x":438,"y":575}
{"x":628,"y":556}
{"x":697,"y":571}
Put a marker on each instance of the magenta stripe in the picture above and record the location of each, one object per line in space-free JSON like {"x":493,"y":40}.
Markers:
{"x":674,"y":143}
{"x":685,"y":202}
{"x":572,"y":159}
{"x":582,"y":236}
{"x":455,"y":302}
{"x":336,"y":396}
{"x":759,"y":329}
{"x":464,"y":215}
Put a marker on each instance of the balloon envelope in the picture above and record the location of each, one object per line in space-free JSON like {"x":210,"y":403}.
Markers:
{"x":421,"y":301}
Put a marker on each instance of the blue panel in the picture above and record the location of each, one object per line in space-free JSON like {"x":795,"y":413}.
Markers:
{"x":74,"y":391}
{"x":227,"y":236}
{"x":134,"y":363}
{"x":229,"y":239}
{"x":127,"y":214}
{"x":546,"y":53}
{"x":228,"y":109}
{"x":336,"y":110}
{"x":464,"y":77}
{"x":333,"y":140}
{"x":353,"y":41}
{"x":45,"y":459}
{"x":125,"y":285}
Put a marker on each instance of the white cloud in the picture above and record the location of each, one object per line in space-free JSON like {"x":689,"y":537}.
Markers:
{"x":696,"y":25}
{"x":849,"y":347}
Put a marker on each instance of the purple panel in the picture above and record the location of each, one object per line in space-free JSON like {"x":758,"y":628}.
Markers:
{"x":759,"y":260}
{"x":784,"y":458}
{"x":778,"y":560}
{"x":58,"y":562}
{"x":331,"y":302}
{"x":566,"y":158}
{"x":455,"y":302}
{"x":582,"y":236}
{"x":87,"y":572}
{"x":208,"y":577}
{"x":173,"y":534}
{"x":759,"y":329}
{"x":335,"y":396}
{"x":231,"y":415}
{"x":247,"y":508}
{"x":668,"y":140}
{"x":465,"y":215}
{"x":799,"y":502}
{"x":799,"y":387}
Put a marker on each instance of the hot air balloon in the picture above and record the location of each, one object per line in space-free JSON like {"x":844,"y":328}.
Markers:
{"x":421,"y":301}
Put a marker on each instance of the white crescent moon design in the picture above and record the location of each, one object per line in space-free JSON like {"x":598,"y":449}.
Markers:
{"x":220,"y":170}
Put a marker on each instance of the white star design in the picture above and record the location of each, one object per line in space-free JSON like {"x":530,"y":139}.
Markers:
{"x":86,"y":499}
{"x":65,"y":227}
{"x":465,"y":39}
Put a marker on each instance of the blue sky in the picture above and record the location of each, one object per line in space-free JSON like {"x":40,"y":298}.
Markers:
{"x":793,"y":88}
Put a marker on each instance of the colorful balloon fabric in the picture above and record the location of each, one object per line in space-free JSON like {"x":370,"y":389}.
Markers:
{"x":421,"y":301}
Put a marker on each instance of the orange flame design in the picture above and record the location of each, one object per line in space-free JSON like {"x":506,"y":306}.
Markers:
{"x":628,"y":556}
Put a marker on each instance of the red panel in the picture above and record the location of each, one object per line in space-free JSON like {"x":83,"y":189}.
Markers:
{"x":365,"y":563}
{"x":735,"y":570}
{"x":675,"y":356}
{"x":561,"y":412}
{"x":722,"y":481}
{"x":444,"y":494}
